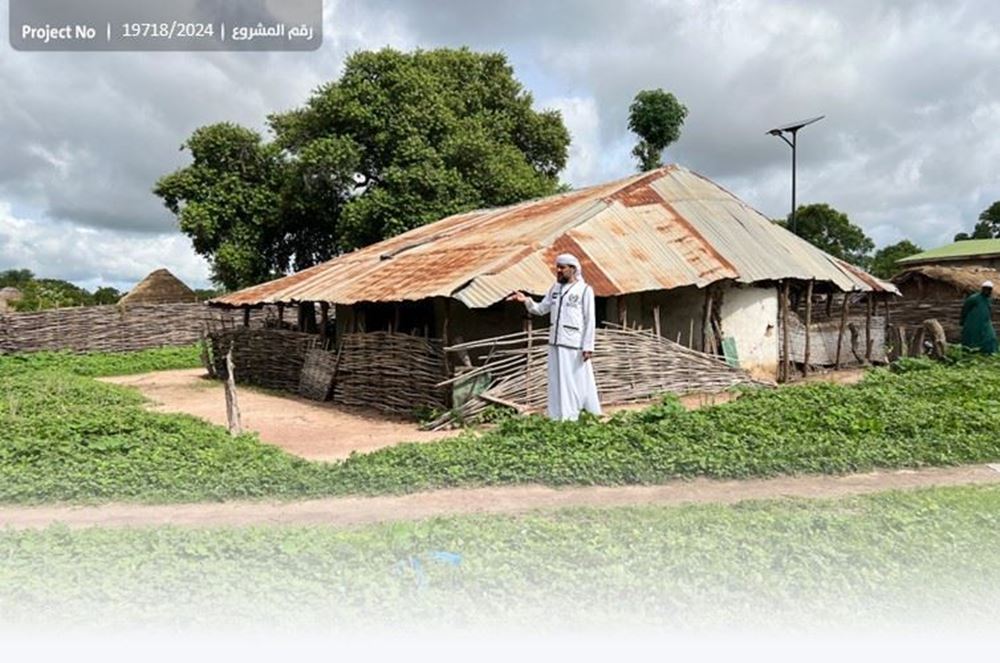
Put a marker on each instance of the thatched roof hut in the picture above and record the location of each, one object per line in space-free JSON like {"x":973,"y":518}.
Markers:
{"x":160,"y":287}
{"x":939,"y":282}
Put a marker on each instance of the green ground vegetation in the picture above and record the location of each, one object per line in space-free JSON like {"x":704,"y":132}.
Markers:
{"x":900,"y":558}
{"x":65,"y":436}
{"x":98,"y":364}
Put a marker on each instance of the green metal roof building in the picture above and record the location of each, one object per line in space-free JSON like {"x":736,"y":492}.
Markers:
{"x":965,"y":251}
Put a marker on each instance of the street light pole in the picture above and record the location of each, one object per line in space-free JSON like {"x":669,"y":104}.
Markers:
{"x":793,"y":130}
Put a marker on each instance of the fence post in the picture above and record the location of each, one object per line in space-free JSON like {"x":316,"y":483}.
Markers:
{"x":843,"y":323}
{"x":809,"y":311}
{"x":232,"y":405}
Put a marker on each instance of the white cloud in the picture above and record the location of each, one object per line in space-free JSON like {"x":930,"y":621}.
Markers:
{"x":90,"y":257}
{"x":911,"y":90}
{"x":590,"y":160}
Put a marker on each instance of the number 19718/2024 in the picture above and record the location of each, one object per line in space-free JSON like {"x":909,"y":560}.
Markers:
{"x":175,"y":29}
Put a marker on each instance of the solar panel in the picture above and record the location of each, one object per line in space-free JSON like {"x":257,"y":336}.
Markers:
{"x":795,"y":126}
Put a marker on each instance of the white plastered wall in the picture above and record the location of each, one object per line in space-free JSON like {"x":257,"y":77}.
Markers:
{"x":750,"y":316}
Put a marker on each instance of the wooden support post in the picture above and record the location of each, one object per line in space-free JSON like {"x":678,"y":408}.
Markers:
{"x":868,"y":329}
{"x":809,"y":311}
{"x":206,"y":359}
{"x":622,"y":311}
{"x":859,"y":356}
{"x":395,"y":318}
{"x":936,"y":332}
{"x":885,"y":300}
{"x":311,"y":325}
{"x":656,"y":319}
{"x":786,"y":358}
{"x":917,"y":344}
{"x":324,"y":319}
{"x":829,"y":305}
{"x":444,"y":335}
{"x":336,"y":369}
{"x":246,"y":316}
{"x":706,"y":322}
{"x":529,"y":327}
{"x":843,"y":324}
{"x":281,"y":313}
{"x":691,"y":335}
{"x":232,"y":405}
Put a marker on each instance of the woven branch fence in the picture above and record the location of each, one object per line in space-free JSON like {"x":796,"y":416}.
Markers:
{"x":120,"y":328}
{"x":912,"y":313}
{"x":390,"y":372}
{"x":630,"y":365}
{"x":110,"y":328}
{"x":270,"y":358}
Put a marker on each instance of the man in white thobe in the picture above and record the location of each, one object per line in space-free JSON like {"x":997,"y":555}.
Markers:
{"x":570,"y":305}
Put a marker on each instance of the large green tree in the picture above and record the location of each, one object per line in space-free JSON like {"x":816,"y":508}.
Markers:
{"x":228,"y":202}
{"x":399,"y":140}
{"x":988,"y":226}
{"x":883,"y":264}
{"x":831,"y":230}
{"x":656,"y":117}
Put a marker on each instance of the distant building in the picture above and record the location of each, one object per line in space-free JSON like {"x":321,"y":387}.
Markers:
{"x":951,"y":271}
{"x":160,"y":287}
{"x":935,"y":283}
{"x":7,"y":297}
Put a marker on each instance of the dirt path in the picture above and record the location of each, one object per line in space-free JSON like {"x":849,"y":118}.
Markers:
{"x":502,"y":500}
{"x":313,"y":430}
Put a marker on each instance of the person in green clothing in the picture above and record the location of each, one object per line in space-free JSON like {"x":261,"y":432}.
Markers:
{"x":977,"y":323}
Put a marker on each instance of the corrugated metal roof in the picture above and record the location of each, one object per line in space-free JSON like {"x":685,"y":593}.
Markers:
{"x":659,"y":230}
{"x":969,"y":248}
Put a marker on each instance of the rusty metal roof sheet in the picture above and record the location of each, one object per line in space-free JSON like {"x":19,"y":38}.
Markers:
{"x":659,"y":230}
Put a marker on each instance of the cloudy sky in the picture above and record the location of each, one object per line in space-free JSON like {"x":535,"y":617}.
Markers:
{"x":910,"y":147}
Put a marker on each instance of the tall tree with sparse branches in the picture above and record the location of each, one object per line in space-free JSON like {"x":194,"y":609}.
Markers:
{"x":656,"y":117}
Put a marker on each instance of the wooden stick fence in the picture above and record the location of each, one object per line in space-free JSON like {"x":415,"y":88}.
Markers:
{"x":102,"y":328}
{"x":630,"y":365}
{"x":119,"y":328}
{"x":271,"y":358}
{"x":390,"y":372}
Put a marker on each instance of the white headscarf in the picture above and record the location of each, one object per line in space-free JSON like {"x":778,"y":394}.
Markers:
{"x":987,"y":284}
{"x":570,"y":260}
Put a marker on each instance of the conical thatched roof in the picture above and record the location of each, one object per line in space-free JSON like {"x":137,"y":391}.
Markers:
{"x":160,"y":287}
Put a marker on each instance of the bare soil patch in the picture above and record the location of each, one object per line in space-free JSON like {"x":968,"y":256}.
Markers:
{"x":313,"y":430}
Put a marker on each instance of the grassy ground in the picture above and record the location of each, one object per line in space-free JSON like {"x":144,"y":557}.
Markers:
{"x":97,"y":364}
{"x":65,"y":436}
{"x":925,"y":557}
